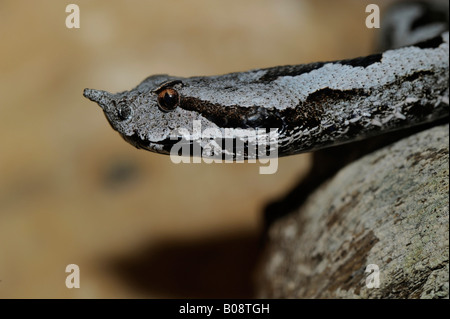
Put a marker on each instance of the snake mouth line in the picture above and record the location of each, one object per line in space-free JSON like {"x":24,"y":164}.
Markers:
{"x":139,"y":142}
{"x":167,"y":141}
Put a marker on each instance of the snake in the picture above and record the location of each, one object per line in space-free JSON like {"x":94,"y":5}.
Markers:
{"x":310,"y":106}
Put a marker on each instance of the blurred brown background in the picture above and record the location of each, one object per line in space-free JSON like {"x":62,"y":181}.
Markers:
{"x":72,"y":191}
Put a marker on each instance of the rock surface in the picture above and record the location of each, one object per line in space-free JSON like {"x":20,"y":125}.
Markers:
{"x":390,"y":209}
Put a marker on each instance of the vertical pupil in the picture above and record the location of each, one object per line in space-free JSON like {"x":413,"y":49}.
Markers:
{"x":167,"y":99}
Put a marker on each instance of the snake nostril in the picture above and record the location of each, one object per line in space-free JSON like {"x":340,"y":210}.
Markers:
{"x":124,"y":111}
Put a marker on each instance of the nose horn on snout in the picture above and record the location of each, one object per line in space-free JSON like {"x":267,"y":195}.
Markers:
{"x":102,"y":98}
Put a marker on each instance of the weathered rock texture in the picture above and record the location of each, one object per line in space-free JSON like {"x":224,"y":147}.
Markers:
{"x":391,"y":208}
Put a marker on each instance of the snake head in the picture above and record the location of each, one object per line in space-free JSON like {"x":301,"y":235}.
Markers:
{"x":149,"y":116}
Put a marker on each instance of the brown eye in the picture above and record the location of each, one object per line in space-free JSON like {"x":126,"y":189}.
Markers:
{"x":168,"y":99}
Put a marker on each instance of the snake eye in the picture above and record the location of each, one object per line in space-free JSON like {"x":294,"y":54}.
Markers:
{"x":124,"y":111}
{"x":168,"y":99}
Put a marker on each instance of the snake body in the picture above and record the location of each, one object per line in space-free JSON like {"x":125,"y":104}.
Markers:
{"x":311,"y":106}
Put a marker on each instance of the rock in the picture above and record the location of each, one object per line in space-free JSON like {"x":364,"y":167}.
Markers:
{"x":390,"y":209}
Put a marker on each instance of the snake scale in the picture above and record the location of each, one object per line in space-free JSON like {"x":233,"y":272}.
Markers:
{"x":311,"y":106}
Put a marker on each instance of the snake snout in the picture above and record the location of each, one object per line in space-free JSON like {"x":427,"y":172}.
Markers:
{"x":102,"y":98}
